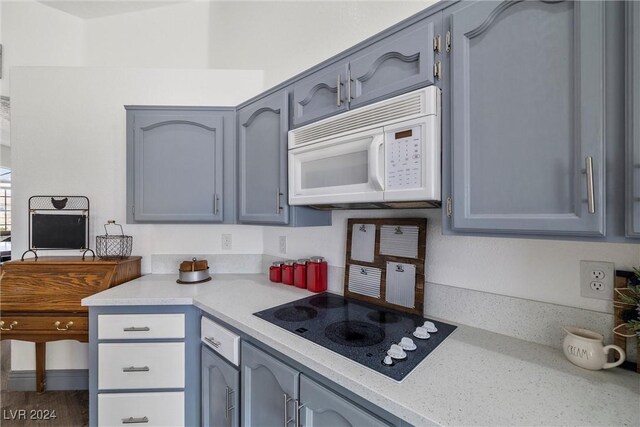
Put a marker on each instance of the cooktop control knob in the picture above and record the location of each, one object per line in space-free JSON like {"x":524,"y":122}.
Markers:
{"x":388,"y":361}
{"x":407,"y":344}
{"x":396,"y":352}
{"x":421,"y":333}
{"x":430,"y":327}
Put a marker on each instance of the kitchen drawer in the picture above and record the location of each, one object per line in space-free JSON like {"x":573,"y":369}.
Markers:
{"x":43,"y":324}
{"x":140,"y":365}
{"x":148,"y":409}
{"x":221,"y":340}
{"x":140,"y":326}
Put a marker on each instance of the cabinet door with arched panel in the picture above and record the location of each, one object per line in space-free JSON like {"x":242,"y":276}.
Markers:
{"x":528,"y":117}
{"x":269,"y":390}
{"x":262,"y":154}
{"x":401,"y":62}
{"x":321,"y":407}
{"x":320,"y":94}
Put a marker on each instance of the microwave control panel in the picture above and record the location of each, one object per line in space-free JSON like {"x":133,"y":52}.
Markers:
{"x":404,"y":158}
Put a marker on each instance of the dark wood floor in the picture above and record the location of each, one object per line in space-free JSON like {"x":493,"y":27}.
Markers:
{"x":28,"y":408}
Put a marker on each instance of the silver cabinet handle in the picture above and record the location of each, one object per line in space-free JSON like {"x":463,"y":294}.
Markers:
{"x":136,"y":369}
{"x":132,"y":420}
{"x":298,"y":407}
{"x":591,"y":204}
{"x":278,"y":194}
{"x":287,"y":420}
{"x":349,"y":81}
{"x":212,"y":341}
{"x":338,"y":94}
{"x":229,"y":407}
{"x":137,"y":329}
{"x":216,"y":199}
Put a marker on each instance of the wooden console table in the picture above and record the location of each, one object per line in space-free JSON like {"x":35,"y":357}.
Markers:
{"x":40,"y":299}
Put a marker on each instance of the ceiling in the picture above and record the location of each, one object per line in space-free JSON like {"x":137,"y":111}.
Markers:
{"x":88,"y":9}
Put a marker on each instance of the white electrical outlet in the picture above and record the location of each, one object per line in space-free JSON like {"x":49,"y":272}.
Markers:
{"x":226,"y":242}
{"x":596,"y":279}
{"x":283,"y":244}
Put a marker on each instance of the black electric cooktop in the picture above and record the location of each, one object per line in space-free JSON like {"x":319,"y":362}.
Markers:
{"x":357,"y":330}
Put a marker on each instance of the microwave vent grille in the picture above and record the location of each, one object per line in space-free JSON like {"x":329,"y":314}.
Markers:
{"x":393,"y":110}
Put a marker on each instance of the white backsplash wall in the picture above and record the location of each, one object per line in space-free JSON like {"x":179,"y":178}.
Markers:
{"x":538,"y":270}
{"x":68,"y":137}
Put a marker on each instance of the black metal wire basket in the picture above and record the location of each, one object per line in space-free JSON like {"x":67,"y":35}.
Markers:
{"x":113,"y":246}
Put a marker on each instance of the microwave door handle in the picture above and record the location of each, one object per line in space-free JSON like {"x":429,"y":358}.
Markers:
{"x":374,"y":162}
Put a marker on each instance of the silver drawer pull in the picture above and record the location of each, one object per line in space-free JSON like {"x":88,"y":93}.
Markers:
{"x":132,"y":420}
{"x":136,"y":369}
{"x":212,"y":341}
{"x":137,"y":329}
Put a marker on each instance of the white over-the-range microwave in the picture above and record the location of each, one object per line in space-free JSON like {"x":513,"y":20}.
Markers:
{"x":384,"y":155}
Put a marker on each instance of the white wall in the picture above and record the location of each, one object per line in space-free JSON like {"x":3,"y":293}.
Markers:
{"x":34,"y":34}
{"x":68,"y":137}
{"x":539,"y":270}
{"x":174,"y":36}
{"x":286,"y":37}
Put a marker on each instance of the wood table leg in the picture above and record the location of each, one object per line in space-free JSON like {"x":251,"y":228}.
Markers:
{"x":41,"y":357}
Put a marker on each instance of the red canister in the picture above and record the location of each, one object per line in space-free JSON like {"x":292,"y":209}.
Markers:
{"x":300,"y":273}
{"x":317,"y":274}
{"x":275,"y":272}
{"x":287,"y":272}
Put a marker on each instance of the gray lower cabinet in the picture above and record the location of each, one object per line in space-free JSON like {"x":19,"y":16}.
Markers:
{"x":269,"y":389}
{"x":176,"y":159}
{"x":321,"y":407}
{"x":399,"y":62}
{"x":262,"y":166}
{"x":633,"y":121}
{"x":527,"y":117}
{"x":275,"y":394}
{"x":220,"y":391}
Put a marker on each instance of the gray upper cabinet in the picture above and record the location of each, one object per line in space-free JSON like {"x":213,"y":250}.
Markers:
{"x":262,"y":154}
{"x":262,"y":166}
{"x":398,"y":63}
{"x":322,"y":407}
{"x":633,"y":123}
{"x":220,"y":392}
{"x":175,"y":159}
{"x":269,"y":389}
{"x":321,"y":94}
{"x":527,"y":118}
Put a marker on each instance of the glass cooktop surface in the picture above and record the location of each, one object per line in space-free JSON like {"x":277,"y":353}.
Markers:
{"x":359,"y":331}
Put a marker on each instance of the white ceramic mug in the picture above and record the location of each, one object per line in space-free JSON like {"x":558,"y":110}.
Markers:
{"x":585,"y":348}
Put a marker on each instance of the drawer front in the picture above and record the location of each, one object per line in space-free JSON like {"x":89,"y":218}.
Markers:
{"x":140,"y":365}
{"x":43,"y":324}
{"x":140,"y":326}
{"x":145,"y":409}
{"x":221,"y":340}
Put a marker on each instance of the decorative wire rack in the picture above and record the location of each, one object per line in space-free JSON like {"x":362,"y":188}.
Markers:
{"x":58,"y":223}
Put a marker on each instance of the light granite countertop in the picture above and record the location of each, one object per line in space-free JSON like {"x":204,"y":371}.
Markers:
{"x":474,"y":377}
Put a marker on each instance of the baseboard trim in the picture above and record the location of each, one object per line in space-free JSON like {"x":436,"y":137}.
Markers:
{"x":57,"y":379}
